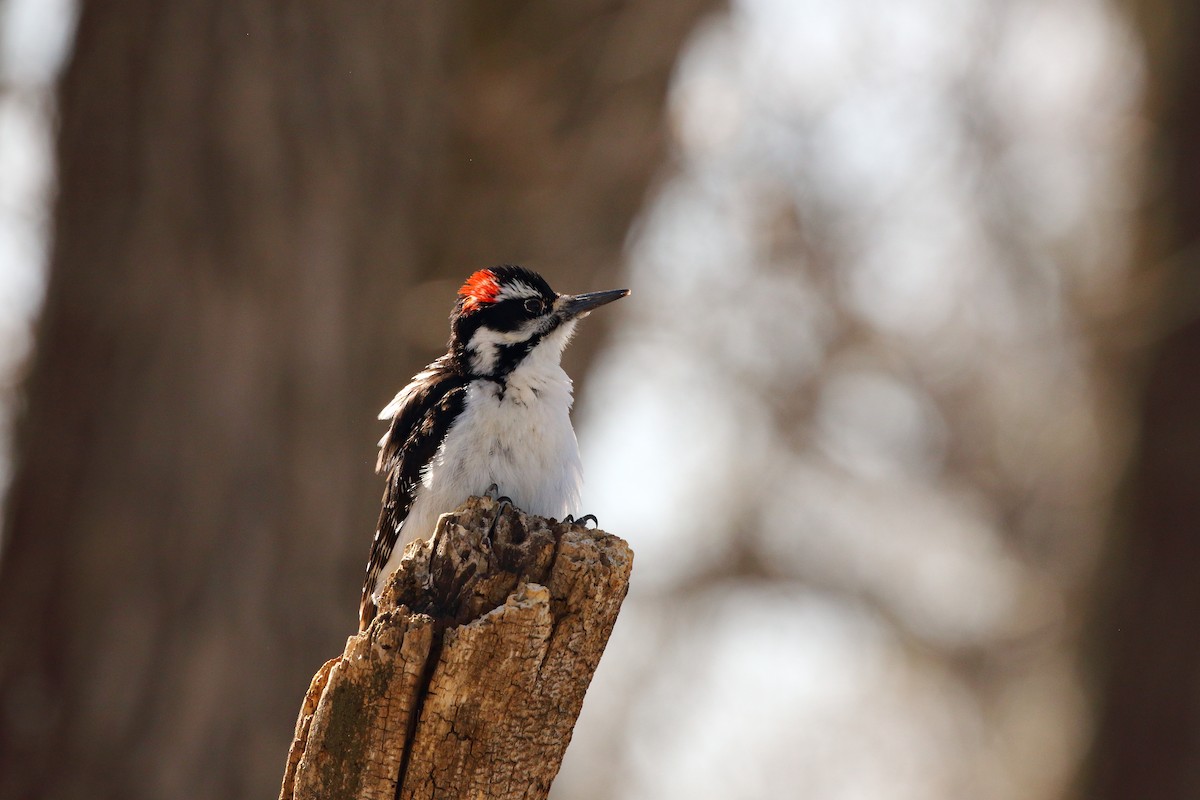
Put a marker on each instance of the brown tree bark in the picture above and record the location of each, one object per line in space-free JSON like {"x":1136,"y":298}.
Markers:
{"x":470,"y":680}
{"x":263,"y":212}
{"x":1146,"y":621}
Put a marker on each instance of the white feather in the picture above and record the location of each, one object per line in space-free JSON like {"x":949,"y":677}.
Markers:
{"x":402,"y":397}
{"x":516,"y":289}
{"x":520,"y":439}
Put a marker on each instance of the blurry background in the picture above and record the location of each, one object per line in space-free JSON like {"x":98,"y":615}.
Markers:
{"x":901,"y":419}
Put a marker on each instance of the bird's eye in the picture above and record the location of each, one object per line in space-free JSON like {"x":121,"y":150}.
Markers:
{"x":535,"y":306}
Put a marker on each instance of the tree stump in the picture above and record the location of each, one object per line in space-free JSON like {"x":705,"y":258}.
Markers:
{"x":468,"y":682}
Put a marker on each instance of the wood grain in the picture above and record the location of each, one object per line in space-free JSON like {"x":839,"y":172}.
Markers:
{"x":469,"y":681}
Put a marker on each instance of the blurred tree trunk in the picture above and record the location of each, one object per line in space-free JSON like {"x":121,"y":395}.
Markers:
{"x":264,"y":210}
{"x":1148,"y":739}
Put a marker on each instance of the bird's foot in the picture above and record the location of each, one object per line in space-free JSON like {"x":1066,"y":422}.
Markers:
{"x":493,"y":493}
{"x":569,"y":519}
{"x":502,"y":505}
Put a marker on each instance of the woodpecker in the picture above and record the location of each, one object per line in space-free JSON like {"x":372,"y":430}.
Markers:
{"x":493,"y":413}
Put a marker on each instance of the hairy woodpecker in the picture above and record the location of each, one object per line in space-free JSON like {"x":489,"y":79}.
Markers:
{"x":494,"y":410}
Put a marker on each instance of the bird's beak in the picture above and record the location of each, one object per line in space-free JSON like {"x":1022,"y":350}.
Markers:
{"x":575,"y":306}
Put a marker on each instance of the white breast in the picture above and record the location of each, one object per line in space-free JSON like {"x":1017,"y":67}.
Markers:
{"x":518,"y":437}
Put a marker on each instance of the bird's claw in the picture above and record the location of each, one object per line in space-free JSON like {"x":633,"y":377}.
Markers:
{"x":493,"y":493}
{"x":502,"y":504}
{"x":569,"y":519}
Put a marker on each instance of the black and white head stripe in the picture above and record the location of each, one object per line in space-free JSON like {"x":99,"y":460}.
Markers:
{"x":488,"y":287}
{"x":502,"y":314}
{"x":517,"y":289}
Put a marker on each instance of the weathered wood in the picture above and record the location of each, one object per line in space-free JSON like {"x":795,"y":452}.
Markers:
{"x":469,"y":681}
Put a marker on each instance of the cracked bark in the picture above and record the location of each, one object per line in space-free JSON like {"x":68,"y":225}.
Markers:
{"x":469,"y":681}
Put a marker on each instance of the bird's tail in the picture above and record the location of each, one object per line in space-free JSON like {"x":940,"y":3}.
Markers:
{"x":366,"y":609}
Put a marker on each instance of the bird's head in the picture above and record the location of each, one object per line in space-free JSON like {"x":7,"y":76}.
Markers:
{"x":505,"y":314}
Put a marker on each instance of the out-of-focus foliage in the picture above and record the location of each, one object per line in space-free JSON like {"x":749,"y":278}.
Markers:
{"x":34,"y":38}
{"x":261,"y":215}
{"x":860,"y":424}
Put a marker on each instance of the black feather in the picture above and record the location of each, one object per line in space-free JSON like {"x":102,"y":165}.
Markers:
{"x":434,"y":401}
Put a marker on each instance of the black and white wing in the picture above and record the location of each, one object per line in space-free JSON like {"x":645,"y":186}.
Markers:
{"x":421,"y":415}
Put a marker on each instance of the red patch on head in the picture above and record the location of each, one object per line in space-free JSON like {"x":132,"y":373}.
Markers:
{"x":480,"y":288}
